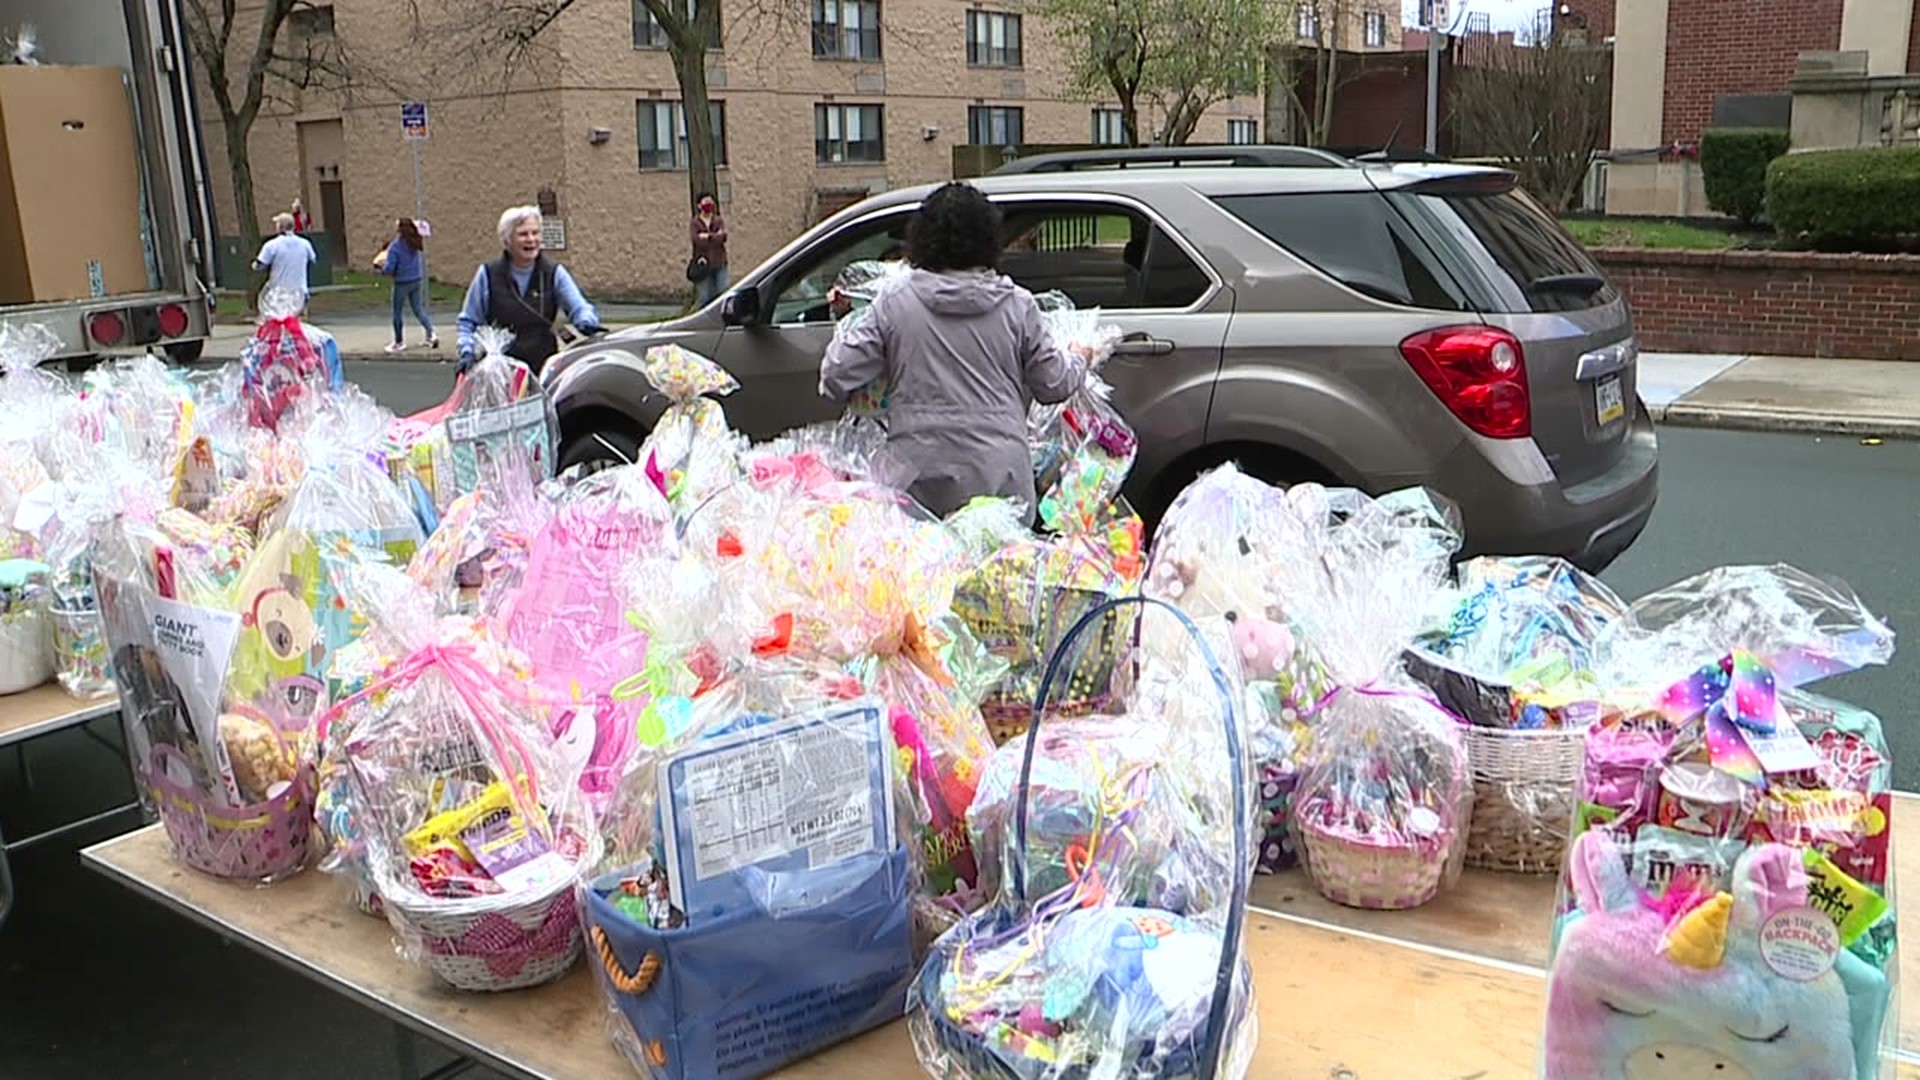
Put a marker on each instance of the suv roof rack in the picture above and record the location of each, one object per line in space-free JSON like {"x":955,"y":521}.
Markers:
{"x":1169,"y":157}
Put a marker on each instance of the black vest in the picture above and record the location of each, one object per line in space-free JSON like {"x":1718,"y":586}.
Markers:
{"x":528,"y":316}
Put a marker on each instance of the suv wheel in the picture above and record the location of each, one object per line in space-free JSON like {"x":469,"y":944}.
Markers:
{"x":1267,"y":464}
{"x":598,"y":451}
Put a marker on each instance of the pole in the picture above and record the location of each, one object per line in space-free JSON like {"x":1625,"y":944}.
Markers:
{"x":419,"y":201}
{"x":1433,"y":86}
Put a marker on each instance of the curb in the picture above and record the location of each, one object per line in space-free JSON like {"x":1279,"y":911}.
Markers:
{"x":1763,"y":419}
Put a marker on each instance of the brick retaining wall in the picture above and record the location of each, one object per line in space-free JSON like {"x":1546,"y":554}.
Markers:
{"x":1864,"y":307}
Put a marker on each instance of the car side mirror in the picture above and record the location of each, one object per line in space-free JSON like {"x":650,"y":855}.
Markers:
{"x":741,"y":307}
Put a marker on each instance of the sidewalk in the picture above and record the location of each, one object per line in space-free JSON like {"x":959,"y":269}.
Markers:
{"x":363,"y":335}
{"x":1774,"y":393}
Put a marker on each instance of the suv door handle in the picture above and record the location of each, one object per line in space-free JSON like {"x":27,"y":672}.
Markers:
{"x":1142,"y":345}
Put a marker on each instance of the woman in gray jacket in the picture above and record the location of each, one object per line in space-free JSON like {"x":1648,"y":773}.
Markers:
{"x":962,"y":351}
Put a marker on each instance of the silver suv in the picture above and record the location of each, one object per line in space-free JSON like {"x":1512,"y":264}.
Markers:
{"x":1374,"y":325}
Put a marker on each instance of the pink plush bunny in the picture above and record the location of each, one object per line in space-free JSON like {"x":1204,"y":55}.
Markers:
{"x":1650,"y":990}
{"x":1265,"y":646}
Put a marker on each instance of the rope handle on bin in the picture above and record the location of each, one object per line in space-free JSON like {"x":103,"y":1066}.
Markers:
{"x":642,"y":977}
{"x":1242,"y":810}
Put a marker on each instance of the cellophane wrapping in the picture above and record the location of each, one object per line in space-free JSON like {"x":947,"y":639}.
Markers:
{"x":1729,"y":891}
{"x":1082,"y":448}
{"x":1515,"y":651}
{"x":471,"y":824}
{"x":1099,"y":953}
{"x":1385,"y":799}
{"x":690,"y":446}
{"x":286,"y":359}
{"x":32,"y":400}
{"x":862,"y":282}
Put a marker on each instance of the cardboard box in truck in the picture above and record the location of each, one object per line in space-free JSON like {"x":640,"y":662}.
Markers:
{"x":69,"y":186}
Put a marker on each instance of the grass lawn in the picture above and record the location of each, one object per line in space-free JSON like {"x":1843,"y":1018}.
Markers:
{"x":352,"y":291}
{"x":1651,"y":233}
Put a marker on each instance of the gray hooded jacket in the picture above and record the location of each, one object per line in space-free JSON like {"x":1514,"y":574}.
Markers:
{"x":962,"y":355}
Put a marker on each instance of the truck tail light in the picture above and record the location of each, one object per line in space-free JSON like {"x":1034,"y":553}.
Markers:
{"x":173,"y":320}
{"x":107,"y":328}
{"x":1479,"y":373}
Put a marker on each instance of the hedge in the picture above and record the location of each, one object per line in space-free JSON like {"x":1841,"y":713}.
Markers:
{"x":1867,"y":198}
{"x":1733,"y":162}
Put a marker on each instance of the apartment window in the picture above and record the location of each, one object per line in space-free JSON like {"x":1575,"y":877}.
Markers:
{"x":995,"y":125}
{"x":849,"y":133}
{"x":846,"y":29}
{"x":663,"y":134}
{"x":1243,"y":132}
{"x":993,"y":39}
{"x":1308,"y":19}
{"x":649,"y":34}
{"x":1376,"y":30}
{"x":1109,"y":127}
{"x":305,"y":24}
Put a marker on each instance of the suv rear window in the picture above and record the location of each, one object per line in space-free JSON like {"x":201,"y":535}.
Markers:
{"x":1357,"y":239}
{"x":1504,"y":247}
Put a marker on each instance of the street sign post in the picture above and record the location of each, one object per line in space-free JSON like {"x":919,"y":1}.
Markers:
{"x":413,"y":129}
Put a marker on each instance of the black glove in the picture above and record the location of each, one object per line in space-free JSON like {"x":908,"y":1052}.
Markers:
{"x":591,"y":331}
{"x":466,"y":362}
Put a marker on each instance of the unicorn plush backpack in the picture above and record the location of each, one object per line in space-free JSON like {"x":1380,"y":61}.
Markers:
{"x":1747,"y":985}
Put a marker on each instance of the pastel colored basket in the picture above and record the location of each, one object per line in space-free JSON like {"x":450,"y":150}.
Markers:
{"x":493,"y":943}
{"x":261,"y":842}
{"x":1365,"y":873}
{"x":1523,"y":797}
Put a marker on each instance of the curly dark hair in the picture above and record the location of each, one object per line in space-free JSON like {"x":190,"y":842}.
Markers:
{"x":957,"y":228}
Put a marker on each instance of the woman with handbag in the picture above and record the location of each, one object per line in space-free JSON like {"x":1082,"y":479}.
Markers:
{"x":707,"y":266}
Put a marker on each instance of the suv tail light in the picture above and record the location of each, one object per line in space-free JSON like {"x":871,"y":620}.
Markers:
{"x":173,"y":320}
{"x":107,"y":328}
{"x":1479,"y":373}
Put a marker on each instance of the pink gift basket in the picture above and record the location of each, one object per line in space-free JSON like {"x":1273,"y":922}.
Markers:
{"x":258,"y":842}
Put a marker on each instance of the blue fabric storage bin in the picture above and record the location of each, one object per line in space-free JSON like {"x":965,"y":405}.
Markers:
{"x":743,"y":994}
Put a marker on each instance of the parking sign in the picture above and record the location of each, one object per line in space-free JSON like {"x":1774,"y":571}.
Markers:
{"x":413,"y":121}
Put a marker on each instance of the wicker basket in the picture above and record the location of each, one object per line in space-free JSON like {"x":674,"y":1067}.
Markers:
{"x":1523,"y":797}
{"x":494,"y":942}
{"x":1363,"y":873}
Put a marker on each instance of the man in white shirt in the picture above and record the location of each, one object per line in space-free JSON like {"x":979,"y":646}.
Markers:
{"x":285,"y":258}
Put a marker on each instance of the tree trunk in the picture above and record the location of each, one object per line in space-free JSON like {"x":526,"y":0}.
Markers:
{"x":688,"y":50}
{"x":1323,"y":126}
{"x":1129,"y":114}
{"x":245,"y":209}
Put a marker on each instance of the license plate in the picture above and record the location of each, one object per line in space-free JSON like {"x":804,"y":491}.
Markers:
{"x":1608,"y":402}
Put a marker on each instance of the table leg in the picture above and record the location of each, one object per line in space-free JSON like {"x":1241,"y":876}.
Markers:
{"x":20,"y":759}
{"x":407,"y":1055}
{"x":6,"y":882}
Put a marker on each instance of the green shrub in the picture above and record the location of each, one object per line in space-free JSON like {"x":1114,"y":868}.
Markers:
{"x":1733,"y":162}
{"x":1867,"y":198}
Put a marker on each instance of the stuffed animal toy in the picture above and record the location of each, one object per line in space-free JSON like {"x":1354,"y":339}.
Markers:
{"x":1746,"y":986}
{"x":1265,"y":647}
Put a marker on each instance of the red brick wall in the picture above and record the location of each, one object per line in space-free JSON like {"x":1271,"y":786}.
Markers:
{"x":1913,"y":40}
{"x":1737,"y":47}
{"x":1864,"y":307}
{"x":1597,"y":13}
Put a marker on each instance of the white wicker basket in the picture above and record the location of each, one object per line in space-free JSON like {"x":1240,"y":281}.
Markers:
{"x":1524,"y":785}
{"x":494,"y":942}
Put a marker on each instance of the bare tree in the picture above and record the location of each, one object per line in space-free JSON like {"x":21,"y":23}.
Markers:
{"x":1322,"y":30}
{"x":1181,"y":56}
{"x":1540,"y":108}
{"x":249,"y":57}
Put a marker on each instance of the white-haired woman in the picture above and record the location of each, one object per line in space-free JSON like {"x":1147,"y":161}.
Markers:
{"x":523,"y":294}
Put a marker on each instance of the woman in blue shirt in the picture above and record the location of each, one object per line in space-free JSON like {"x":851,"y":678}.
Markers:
{"x":523,"y":294}
{"x":405,"y":262}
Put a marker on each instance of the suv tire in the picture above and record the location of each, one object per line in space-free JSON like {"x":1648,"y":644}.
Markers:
{"x":599,"y":450}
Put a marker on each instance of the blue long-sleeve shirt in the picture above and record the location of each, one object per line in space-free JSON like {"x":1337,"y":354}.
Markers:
{"x":473,"y":313}
{"x":404,"y":265}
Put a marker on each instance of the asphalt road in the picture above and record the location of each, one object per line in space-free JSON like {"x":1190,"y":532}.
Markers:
{"x":94,"y":983}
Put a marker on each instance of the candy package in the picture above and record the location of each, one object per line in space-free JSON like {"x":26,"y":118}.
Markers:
{"x":690,"y":445}
{"x":1112,"y":946}
{"x":1734,"y":841}
{"x":1384,"y":801}
{"x":469,"y":811}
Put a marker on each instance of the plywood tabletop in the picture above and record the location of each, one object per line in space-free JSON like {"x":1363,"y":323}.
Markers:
{"x":45,"y":709}
{"x":1393,"y":1010}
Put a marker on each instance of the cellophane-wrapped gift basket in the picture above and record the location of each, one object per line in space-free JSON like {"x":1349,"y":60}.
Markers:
{"x":1514,"y":651}
{"x":1727,"y":906}
{"x":1385,"y":797}
{"x":1130,"y":962}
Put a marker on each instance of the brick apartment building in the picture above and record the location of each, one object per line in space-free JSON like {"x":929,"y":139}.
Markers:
{"x":1680,"y":66}
{"x":874,"y":95}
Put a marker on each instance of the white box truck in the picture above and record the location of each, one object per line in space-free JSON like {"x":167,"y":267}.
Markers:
{"x":147,"y":292}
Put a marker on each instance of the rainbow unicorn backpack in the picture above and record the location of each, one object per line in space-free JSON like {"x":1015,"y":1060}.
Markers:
{"x":1748,"y":985}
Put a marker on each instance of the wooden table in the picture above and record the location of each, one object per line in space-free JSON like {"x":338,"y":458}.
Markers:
{"x":30,"y":715}
{"x":1335,"y":1003}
